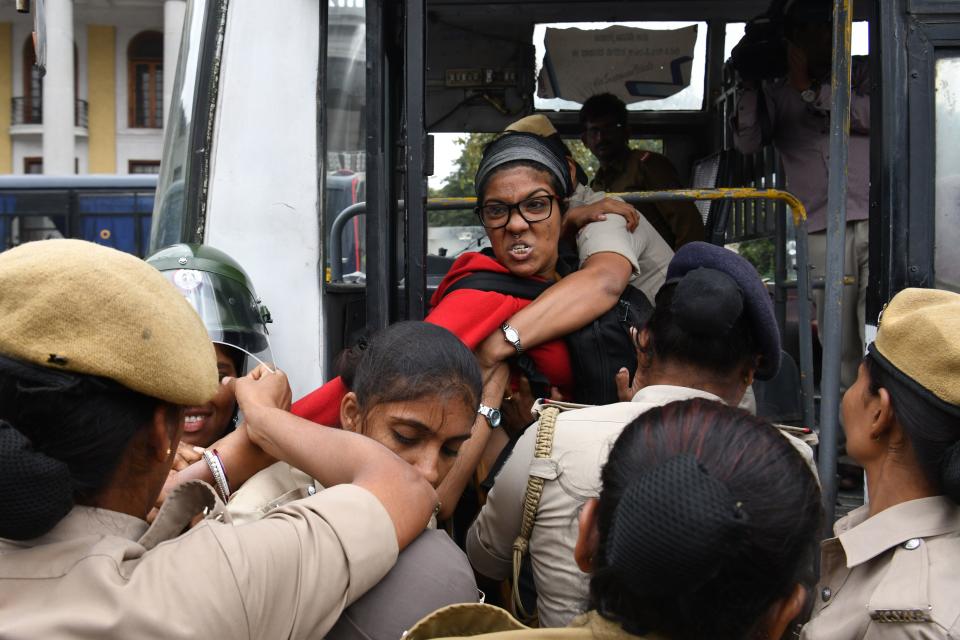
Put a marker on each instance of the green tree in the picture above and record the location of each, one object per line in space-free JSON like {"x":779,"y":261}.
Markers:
{"x":760,"y":253}
{"x":460,"y":182}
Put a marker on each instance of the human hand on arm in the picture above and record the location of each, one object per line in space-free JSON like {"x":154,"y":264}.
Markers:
{"x":570,"y":304}
{"x":576,"y":218}
{"x":334,"y":456}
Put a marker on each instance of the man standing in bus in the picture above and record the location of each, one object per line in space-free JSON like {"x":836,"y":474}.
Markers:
{"x":794,"y":114}
{"x":606,"y":133}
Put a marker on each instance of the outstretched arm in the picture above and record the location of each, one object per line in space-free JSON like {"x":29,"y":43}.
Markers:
{"x":334,"y":456}
{"x":572,"y":303}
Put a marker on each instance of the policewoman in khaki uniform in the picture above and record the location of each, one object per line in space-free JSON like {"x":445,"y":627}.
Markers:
{"x":98,"y":357}
{"x":893,"y":569}
{"x":702,"y":529}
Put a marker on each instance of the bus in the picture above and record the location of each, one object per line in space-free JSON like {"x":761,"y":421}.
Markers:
{"x":115,"y":211}
{"x":273,"y":103}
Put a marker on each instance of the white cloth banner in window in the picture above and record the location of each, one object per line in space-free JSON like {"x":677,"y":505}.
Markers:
{"x":631,"y":63}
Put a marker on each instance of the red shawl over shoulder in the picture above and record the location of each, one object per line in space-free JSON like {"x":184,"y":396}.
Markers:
{"x":469,"y":314}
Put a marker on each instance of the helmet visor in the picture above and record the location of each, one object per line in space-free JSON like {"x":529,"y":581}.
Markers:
{"x":229,"y":311}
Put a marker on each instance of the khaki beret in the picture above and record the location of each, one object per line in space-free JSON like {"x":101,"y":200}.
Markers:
{"x":539,"y":125}
{"x":77,"y":306}
{"x":919,"y":334}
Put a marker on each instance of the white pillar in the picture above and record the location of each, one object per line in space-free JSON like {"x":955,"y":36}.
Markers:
{"x":173,"y":11}
{"x":59,"y":100}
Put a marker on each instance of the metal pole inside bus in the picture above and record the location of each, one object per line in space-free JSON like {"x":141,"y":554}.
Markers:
{"x":836,"y":228}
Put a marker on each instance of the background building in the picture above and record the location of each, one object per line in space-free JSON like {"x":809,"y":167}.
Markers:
{"x":100,"y":108}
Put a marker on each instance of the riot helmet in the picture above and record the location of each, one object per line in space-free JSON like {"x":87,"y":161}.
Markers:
{"x":221,"y":292}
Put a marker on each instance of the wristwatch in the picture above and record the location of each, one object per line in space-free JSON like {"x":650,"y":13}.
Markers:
{"x":492,"y":415}
{"x":512,"y":336}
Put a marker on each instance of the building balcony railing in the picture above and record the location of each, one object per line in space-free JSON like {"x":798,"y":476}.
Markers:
{"x":30,"y":111}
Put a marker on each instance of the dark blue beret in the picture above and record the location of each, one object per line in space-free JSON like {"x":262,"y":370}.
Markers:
{"x":756,"y":299}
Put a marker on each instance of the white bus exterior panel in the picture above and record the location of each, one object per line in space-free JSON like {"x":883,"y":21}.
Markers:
{"x":263,"y":199}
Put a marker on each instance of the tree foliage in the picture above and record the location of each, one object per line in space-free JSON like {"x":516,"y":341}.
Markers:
{"x":760,"y":253}
{"x":460,"y":182}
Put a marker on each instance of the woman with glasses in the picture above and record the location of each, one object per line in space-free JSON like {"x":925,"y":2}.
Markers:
{"x":522,"y":184}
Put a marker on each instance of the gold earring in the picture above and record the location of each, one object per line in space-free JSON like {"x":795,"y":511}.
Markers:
{"x":168,"y":451}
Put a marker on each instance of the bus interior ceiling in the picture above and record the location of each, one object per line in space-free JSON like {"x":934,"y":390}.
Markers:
{"x":498,"y":36}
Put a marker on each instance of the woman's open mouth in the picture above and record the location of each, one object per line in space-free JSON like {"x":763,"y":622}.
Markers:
{"x":520,"y":250}
{"x":193,"y":422}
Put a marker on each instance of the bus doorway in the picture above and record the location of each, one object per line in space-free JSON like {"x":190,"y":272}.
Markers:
{"x":371,"y":82}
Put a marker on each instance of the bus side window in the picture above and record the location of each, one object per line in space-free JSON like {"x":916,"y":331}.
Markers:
{"x":947,"y":209}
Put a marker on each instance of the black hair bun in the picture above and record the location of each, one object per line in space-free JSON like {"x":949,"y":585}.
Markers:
{"x":673,"y":529}
{"x":37,"y":489}
{"x":707,"y":302}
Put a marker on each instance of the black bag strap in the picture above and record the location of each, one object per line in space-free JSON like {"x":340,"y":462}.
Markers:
{"x":504,"y":283}
{"x":510,"y":285}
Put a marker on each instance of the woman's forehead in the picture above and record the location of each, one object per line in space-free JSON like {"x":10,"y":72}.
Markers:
{"x":440,"y":415}
{"x":518,"y":180}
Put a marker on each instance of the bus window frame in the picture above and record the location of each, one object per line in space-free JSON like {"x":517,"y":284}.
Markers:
{"x":905,"y":193}
{"x":199,"y":146}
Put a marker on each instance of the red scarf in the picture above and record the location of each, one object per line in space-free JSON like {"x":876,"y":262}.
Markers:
{"x":469,"y":314}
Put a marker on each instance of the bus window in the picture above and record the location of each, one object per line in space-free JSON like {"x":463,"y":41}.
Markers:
{"x":451,"y":232}
{"x":946,"y":259}
{"x":346,"y":131}
{"x":859,"y":42}
{"x":169,"y":222}
{"x":649,"y":71}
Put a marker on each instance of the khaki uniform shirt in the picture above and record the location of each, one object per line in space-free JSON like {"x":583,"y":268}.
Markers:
{"x":432,"y":572}
{"x":648,"y":253}
{"x":492,"y":623}
{"x":582,"y":440}
{"x":895,"y":575}
{"x":103,"y":574}
{"x":678,"y":222}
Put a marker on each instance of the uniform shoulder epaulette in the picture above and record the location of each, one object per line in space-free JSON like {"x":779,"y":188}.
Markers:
{"x":543,"y":403}
{"x":903,"y":594}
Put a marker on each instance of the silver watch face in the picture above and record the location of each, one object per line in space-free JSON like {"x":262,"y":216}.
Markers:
{"x":492,"y":415}
{"x":511,"y":334}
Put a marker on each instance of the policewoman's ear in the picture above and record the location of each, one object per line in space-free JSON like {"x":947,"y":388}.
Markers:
{"x":350,"y":416}
{"x":588,"y":539}
{"x":644,"y":344}
{"x":164,"y":431}
{"x":784,"y":611}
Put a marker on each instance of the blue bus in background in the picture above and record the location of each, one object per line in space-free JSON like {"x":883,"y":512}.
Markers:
{"x":112,"y":210}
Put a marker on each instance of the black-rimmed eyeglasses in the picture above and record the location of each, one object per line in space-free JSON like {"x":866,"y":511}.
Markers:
{"x":497,"y":214}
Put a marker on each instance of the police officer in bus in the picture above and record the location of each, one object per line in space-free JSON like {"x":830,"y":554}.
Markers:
{"x":606,"y":132}
{"x":891,"y":570}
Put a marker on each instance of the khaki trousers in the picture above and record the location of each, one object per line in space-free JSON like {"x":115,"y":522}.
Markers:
{"x":853,"y":314}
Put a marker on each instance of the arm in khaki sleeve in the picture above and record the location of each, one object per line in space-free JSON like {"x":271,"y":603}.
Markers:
{"x":578,"y":299}
{"x":289,"y":575}
{"x":490,"y":538}
{"x":302,"y":565}
{"x":333,"y":456}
